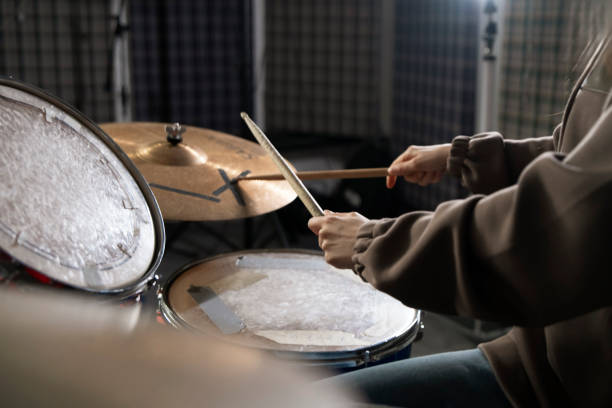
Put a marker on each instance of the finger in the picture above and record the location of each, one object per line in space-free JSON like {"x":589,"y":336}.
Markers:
{"x":335,"y":215}
{"x":421,"y":177}
{"x":315,"y":224}
{"x":391,"y":180}
{"x":326,"y":232}
{"x":322,"y":243}
{"x":428,"y":178}
{"x":402,"y":157}
{"x":405,"y":155}
{"x":328,"y":212}
{"x":414,"y":177}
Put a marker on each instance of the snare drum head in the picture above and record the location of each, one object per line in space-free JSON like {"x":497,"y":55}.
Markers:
{"x":72,"y":206}
{"x":287,"y":301}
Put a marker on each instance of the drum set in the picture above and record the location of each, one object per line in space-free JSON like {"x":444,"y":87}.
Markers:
{"x":83,"y":206}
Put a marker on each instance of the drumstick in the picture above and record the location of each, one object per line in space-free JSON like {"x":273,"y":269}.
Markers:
{"x":313,"y":207}
{"x":324,"y":174}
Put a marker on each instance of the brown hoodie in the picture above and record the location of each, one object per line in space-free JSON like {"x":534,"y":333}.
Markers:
{"x":535,"y":252}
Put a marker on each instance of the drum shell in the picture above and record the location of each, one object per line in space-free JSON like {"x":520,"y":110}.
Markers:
{"x":18,"y":276}
{"x":398,"y":346}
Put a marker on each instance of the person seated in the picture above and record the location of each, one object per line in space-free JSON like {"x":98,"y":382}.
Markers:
{"x":530,"y":248}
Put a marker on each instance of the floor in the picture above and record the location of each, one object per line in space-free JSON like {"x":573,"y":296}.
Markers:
{"x":193,"y":241}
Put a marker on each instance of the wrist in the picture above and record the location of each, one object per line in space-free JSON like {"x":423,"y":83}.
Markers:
{"x":443,"y":153}
{"x":445,"y":150}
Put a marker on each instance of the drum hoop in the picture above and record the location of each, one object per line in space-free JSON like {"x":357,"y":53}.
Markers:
{"x":359,"y":356}
{"x":369,"y":354}
{"x":147,"y":279}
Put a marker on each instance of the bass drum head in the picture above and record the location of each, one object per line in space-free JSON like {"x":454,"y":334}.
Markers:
{"x":72,"y":206}
{"x":291,"y":302}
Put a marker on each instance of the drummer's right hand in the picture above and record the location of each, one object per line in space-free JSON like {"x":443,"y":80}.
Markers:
{"x":422,"y":165}
{"x":337,"y":234}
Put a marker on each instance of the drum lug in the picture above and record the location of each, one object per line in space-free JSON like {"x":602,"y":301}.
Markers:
{"x":420,"y":333}
{"x":366,"y":358}
{"x":152,"y":282}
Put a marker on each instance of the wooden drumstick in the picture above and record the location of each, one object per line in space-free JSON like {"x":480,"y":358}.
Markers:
{"x":324,"y":174}
{"x":304,"y":195}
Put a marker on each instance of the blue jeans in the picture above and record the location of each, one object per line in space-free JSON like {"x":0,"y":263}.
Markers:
{"x":455,"y":379}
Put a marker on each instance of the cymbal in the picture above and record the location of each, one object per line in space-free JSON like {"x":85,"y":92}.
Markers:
{"x":192,"y":171}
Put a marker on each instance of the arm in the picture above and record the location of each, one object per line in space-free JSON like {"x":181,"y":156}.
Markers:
{"x":531,"y":254}
{"x":487,"y":162}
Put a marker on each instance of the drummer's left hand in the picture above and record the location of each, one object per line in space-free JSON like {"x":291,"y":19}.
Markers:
{"x":337,"y":234}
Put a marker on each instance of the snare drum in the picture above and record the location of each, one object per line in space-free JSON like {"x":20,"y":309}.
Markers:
{"x":74,"y":211}
{"x":291,"y":303}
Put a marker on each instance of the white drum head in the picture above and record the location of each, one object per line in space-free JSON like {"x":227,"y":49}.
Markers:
{"x":69,"y":207}
{"x":286,"y":301}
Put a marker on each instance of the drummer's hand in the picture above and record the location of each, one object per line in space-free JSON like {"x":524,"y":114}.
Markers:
{"x":337,"y":234}
{"x":420,"y":164}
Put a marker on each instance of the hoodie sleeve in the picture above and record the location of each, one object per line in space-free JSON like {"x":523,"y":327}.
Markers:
{"x":487,"y":162}
{"x":529,"y":254}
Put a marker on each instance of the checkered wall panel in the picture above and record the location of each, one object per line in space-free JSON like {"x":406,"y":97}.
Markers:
{"x":436,"y":47}
{"x":543,"y":41}
{"x":62,"y":46}
{"x":322,"y":62}
{"x":191,"y":62}
{"x":324,"y":72}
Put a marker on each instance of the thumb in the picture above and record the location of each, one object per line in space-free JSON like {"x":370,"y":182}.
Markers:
{"x":402,"y":169}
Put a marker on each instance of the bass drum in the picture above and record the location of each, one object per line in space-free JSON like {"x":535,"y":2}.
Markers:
{"x":74,"y":212}
{"x":291,"y":303}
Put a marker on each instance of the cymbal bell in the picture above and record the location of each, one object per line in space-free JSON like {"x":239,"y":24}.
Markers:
{"x":168,"y":155}
{"x":192,"y":170}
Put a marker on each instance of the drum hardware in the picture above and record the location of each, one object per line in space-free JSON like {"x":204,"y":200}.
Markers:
{"x":421,"y":332}
{"x":174,"y":133}
{"x":193,"y":171}
{"x":118,"y":76}
{"x":366,"y":357}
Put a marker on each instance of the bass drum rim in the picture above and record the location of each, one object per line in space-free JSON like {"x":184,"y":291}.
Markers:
{"x":148,"y":279}
{"x":349,"y":358}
